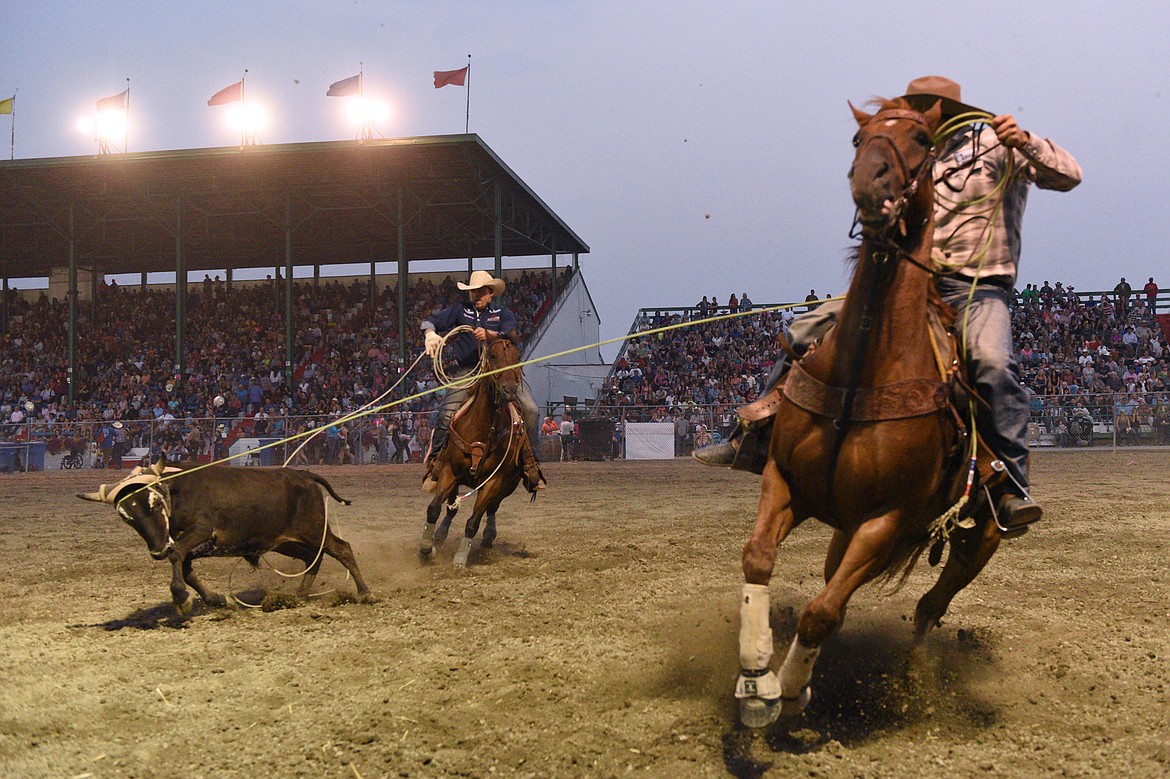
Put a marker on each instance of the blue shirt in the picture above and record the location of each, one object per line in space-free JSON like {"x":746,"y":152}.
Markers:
{"x":464,"y":347}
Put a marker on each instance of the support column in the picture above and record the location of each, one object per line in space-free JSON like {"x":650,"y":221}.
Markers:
{"x":403,"y":275}
{"x":499,"y":231}
{"x":554,"y":277}
{"x":142,"y":283}
{"x":373,"y":285}
{"x":470,"y":267}
{"x":4,"y":312}
{"x":576,"y":267}
{"x":180,"y":289}
{"x":72,"y":294}
{"x":288,"y":294}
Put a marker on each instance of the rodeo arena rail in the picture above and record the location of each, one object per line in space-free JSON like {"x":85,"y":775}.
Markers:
{"x":651,"y":405}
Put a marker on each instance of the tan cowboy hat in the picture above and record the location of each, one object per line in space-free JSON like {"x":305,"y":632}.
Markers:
{"x":481,"y":278}
{"x":921,"y":93}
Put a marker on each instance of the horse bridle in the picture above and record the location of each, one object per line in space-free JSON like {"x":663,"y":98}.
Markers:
{"x":888,"y":245}
{"x":913,"y":177}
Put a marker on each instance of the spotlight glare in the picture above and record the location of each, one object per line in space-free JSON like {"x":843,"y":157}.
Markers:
{"x":362,"y":111}
{"x":246,"y":118}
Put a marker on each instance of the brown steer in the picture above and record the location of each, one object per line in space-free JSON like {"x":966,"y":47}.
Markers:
{"x":221,"y":511}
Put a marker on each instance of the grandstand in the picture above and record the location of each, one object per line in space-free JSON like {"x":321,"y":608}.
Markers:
{"x":1097,"y":371}
{"x":280,"y":352}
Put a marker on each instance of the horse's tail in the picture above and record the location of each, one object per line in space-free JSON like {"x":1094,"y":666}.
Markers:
{"x":902,"y":561}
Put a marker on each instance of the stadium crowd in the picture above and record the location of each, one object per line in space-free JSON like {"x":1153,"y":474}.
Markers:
{"x":346,"y":354}
{"x":1100,"y":361}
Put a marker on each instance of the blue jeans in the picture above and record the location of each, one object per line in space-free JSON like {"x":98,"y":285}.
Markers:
{"x":991,"y":365}
{"x":457,"y":397}
{"x":993,"y":371}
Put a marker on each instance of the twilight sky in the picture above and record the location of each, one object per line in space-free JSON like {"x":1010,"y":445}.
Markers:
{"x":699,"y":148}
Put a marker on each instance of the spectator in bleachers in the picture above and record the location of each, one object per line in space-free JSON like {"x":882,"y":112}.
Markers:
{"x":346,"y":348}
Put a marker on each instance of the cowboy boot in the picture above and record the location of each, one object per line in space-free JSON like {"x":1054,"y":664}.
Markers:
{"x":534,"y":480}
{"x":1014,"y":512}
{"x":723,"y":453}
{"x":746,"y":449}
{"x":430,"y":477}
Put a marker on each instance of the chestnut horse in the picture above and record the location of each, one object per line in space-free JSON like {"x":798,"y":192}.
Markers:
{"x":483,"y":451}
{"x":866,"y":438}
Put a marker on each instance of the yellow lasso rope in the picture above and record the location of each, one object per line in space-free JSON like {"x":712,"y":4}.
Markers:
{"x":371,"y":408}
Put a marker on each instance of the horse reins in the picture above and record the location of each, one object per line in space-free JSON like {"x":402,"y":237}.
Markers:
{"x":882,"y":257}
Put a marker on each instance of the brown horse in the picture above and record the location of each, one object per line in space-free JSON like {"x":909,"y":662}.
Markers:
{"x":484,"y":451}
{"x":866,"y":438}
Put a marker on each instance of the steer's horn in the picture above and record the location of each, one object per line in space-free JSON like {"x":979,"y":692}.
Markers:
{"x":101,"y":496}
{"x":159,"y":467}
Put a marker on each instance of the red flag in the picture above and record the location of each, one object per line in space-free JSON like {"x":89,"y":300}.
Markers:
{"x":445,"y":77}
{"x":231,"y":94}
{"x":346,"y":87}
{"x":114,"y":103}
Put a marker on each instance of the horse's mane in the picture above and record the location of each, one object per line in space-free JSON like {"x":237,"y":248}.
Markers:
{"x":887,"y":104}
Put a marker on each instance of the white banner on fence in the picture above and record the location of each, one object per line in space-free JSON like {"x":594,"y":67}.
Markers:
{"x":649,"y":441}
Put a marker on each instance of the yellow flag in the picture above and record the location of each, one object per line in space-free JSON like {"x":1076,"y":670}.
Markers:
{"x":7,"y":104}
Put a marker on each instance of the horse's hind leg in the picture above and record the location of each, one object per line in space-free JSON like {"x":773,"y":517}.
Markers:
{"x":489,"y":530}
{"x":444,"y":527}
{"x":970,"y":551}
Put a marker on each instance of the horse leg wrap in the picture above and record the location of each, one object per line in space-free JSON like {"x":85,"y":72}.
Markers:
{"x":755,"y":646}
{"x":795,"y":675}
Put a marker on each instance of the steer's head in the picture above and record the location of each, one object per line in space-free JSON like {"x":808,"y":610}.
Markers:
{"x":143,"y":503}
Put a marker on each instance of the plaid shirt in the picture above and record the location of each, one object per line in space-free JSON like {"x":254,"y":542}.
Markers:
{"x":969,"y":169}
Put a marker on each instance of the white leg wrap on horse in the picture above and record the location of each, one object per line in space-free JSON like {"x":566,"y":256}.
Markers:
{"x":755,"y":634}
{"x":797,"y":669}
{"x":755,"y":646}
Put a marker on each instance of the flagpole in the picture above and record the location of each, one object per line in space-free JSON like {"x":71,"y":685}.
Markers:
{"x":467,"y":112}
{"x":243,"y":122}
{"x":12,"y":139}
{"x":126,"y":129}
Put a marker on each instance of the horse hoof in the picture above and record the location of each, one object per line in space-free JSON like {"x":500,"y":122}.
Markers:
{"x":184,"y":606}
{"x":463,"y":553}
{"x":426,"y":555}
{"x":794,"y":707}
{"x":758,"y":713}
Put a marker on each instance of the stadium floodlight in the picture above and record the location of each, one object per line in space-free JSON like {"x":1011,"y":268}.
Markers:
{"x":103,"y":126}
{"x":364,"y":112}
{"x":248,"y":119}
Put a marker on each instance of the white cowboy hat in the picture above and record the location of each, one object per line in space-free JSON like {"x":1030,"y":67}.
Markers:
{"x":481,"y":278}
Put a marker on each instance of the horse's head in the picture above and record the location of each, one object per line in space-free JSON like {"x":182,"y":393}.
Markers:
{"x":502,"y":353}
{"x":895,"y":151}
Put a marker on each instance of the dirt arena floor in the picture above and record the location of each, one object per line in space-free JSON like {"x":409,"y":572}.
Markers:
{"x":598,"y":638}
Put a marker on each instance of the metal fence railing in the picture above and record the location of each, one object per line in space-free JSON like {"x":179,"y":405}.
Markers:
{"x":396,"y":437}
{"x":1057,"y":422}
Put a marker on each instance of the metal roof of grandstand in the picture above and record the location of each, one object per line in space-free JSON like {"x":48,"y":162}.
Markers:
{"x":227,"y":207}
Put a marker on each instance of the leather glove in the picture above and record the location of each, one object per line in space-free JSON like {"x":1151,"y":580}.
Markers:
{"x":432,"y":342}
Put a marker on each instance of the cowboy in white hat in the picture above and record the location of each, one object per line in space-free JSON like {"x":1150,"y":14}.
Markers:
{"x":488,"y":321}
{"x":982,"y":173}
